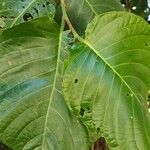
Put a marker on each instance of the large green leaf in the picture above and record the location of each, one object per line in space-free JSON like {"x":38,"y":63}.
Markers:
{"x":33,"y":115}
{"x":17,"y":11}
{"x":107,"y":80}
{"x":81,"y":12}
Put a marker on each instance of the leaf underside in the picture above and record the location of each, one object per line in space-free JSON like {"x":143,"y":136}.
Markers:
{"x":106,"y":80}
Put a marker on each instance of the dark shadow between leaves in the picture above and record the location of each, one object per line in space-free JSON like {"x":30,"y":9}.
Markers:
{"x":100,"y":144}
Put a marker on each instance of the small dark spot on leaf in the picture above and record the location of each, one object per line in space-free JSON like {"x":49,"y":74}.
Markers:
{"x":98,"y":130}
{"x":146,"y":44}
{"x":70,"y":44}
{"x":23,"y":7}
{"x":47,"y":3}
{"x":127,"y":94}
{"x":43,"y":5}
{"x":36,"y":10}
{"x":88,"y":109}
{"x":82,"y":112}
{"x":12,"y":17}
{"x":76,"y":81}
{"x":2,"y":16}
{"x":38,"y":4}
{"x":27,"y":17}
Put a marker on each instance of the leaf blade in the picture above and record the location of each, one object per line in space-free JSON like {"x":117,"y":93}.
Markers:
{"x":110,"y":105}
{"x":33,"y":114}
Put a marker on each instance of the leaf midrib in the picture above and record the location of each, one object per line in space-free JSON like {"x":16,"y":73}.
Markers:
{"x":91,"y":7}
{"x":115,"y":72}
{"x":54,"y":83}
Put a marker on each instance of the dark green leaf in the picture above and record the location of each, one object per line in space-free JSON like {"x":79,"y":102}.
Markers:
{"x":81,"y":12}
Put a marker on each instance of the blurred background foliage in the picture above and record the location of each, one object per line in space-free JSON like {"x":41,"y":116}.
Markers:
{"x":139,"y":7}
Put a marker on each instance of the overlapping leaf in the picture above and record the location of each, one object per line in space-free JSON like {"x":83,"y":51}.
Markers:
{"x":107,"y":80}
{"x":17,"y":11}
{"x":81,"y":12}
{"x":33,"y":115}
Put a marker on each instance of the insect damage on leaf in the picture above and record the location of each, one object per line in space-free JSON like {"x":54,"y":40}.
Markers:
{"x":17,"y":12}
{"x":76,"y":81}
{"x":27,"y":17}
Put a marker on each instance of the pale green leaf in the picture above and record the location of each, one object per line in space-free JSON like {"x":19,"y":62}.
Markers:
{"x":33,"y":114}
{"x":107,"y":80}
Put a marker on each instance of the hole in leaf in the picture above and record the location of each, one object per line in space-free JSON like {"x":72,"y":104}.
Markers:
{"x":27,"y":17}
{"x":98,"y":130}
{"x":76,"y":81}
{"x":82,"y":112}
